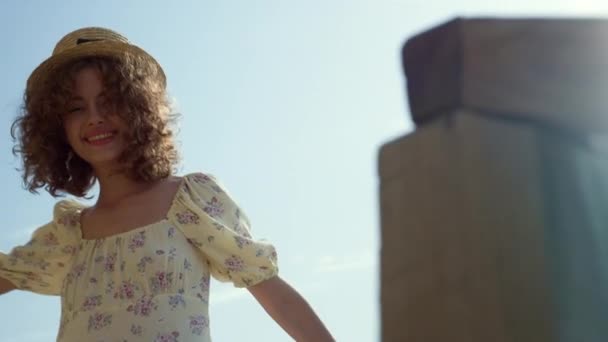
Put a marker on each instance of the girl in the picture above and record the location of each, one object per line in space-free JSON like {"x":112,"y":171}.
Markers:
{"x":135,"y":266}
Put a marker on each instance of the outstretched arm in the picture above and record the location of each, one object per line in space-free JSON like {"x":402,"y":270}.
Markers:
{"x":6,"y":286}
{"x":287,"y":307}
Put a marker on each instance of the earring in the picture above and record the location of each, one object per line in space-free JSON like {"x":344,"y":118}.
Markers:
{"x":67,"y":164}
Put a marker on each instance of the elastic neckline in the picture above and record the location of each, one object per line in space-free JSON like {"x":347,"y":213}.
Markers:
{"x":164,"y":220}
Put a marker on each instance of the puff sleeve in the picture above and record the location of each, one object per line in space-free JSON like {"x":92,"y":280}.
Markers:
{"x":41,"y":264}
{"x":213,"y":222}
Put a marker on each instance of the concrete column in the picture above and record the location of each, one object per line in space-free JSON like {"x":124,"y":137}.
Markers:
{"x":494,"y":211}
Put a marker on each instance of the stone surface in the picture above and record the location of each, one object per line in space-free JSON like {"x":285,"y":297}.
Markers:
{"x":493,"y":211}
{"x":553,"y":71}
{"x":462,"y":239}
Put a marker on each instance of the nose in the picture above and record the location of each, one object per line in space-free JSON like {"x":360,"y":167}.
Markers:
{"x":96,"y":115}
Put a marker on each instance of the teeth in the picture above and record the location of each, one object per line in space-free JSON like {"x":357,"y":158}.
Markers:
{"x":100,"y":136}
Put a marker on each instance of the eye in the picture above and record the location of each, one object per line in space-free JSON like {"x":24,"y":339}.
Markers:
{"x":74,"y":109}
{"x":105,"y":103}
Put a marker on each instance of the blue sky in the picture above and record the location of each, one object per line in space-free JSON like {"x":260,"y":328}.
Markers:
{"x":286,"y":102}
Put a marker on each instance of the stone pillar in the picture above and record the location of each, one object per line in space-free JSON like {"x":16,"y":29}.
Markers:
{"x":494,"y":211}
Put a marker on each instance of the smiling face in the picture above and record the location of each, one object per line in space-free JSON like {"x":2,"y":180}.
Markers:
{"x":122,"y":101}
{"x":92,"y":125}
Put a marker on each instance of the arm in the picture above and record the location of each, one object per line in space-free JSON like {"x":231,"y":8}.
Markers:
{"x":287,"y":307}
{"x":6,"y":286}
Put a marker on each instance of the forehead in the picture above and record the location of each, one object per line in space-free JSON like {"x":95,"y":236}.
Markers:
{"x":86,"y":82}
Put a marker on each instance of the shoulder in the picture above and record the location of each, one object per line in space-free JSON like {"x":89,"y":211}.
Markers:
{"x":66,"y":213}
{"x":203,"y":182}
{"x":199,"y":177}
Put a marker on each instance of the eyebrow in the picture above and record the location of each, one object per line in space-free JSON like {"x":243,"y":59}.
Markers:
{"x":80,"y":98}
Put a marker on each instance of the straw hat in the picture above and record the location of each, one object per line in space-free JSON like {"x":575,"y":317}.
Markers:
{"x":88,"y":42}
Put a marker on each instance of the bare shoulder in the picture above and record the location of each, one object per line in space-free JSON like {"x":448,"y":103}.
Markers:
{"x":171,"y":184}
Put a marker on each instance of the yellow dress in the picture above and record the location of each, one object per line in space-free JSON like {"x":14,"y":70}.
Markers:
{"x":147,"y":284}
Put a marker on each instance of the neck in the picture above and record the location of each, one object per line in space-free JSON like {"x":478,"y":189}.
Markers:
{"x":115,"y":186}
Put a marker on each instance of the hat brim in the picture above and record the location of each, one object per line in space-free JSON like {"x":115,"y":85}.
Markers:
{"x":115,"y":49}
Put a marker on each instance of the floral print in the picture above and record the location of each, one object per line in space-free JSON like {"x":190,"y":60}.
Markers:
{"x":99,"y":320}
{"x":108,"y":261}
{"x":234,"y":263}
{"x":214,"y":208}
{"x":50,"y":239}
{"x":175,"y":301}
{"x":149,"y":284}
{"x":79,"y":270}
{"x":136,"y":330}
{"x":198,"y":324}
{"x":91,"y":302}
{"x":241,"y":241}
{"x":187,"y":265}
{"x":167,"y":337}
{"x":172,"y":254}
{"x":201,"y":178}
{"x":143,"y":306}
{"x":109,"y":287}
{"x":141,"y":266}
{"x":137,"y":241}
{"x":161,"y":281}
{"x":187,"y":217}
{"x":126,"y":290}
{"x":69,"y":219}
{"x":203,"y":285}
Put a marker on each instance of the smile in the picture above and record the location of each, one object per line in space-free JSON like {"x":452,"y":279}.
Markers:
{"x":100,"y":139}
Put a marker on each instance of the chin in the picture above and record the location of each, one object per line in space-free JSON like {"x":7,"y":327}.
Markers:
{"x":102,"y":159}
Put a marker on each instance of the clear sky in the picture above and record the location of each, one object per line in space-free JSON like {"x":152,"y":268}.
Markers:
{"x":286,"y":102}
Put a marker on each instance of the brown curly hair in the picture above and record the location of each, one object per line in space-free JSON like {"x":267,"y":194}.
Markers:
{"x":40,"y":140}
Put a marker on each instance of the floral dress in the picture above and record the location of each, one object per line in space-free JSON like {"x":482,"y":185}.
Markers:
{"x":147,"y":284}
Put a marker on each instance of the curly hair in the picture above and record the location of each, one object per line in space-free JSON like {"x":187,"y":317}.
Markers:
{"x":48,"y":159}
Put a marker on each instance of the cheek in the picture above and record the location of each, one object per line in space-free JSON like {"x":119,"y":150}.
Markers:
{"x":122,"y":127}
{"x":72,"y":132}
